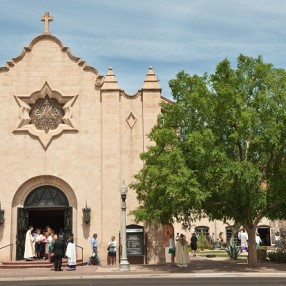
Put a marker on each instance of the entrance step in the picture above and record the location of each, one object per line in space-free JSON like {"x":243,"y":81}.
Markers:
{"x":22,"y":264}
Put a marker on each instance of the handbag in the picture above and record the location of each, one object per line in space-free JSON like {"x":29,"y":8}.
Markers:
{"x":111,"y":250}
{"x":52,"y":256}
{"x":171,"y":251}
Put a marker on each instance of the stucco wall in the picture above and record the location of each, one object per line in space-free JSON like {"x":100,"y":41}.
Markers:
{"x":92,"y":161}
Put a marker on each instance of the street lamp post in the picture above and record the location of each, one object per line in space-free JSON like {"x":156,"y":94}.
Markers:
{"x":124,"y":264}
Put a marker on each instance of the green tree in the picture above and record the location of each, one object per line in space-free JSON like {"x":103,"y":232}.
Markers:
{"x":219,"y":150}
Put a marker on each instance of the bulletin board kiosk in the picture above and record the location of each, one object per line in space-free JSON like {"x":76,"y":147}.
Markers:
{"x":135,"y":244}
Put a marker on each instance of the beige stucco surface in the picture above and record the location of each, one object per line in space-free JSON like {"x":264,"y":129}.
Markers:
{"x":87,"y":162}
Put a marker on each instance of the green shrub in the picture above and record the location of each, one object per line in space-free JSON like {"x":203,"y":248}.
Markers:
{"x":233,"y":251}
{"x":279,"y":256}
{"x":203,"y":242}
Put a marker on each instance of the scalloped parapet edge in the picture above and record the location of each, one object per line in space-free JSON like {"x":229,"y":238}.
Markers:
{"x":81,"y":63}
{"x":133,"y":96}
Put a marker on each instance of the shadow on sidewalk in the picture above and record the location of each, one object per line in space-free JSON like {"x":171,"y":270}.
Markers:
{"x":214,"y":265}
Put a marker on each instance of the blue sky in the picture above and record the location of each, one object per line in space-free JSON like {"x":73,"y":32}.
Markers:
{"x":131,"y":35}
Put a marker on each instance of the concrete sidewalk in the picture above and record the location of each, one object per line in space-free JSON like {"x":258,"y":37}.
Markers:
{"x":199,"y":267}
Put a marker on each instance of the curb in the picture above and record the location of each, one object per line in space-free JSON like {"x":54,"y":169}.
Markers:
{"x":154,"y":275}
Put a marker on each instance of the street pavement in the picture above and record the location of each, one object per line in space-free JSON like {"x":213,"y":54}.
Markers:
{"x":199,"y":267}
{"x":152,"y":281}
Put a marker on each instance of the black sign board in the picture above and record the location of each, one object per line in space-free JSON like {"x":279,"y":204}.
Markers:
{"x":135,"y":240}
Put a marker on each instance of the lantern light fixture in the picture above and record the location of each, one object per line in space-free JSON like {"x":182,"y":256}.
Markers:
{"x":86,"y":214}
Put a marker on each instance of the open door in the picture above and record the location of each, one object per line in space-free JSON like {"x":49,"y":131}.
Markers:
{"x":22,"y":227}
{"x":67,"y":222}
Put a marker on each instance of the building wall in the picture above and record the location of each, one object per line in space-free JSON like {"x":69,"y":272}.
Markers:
{"x":217,"y":226}
{"x":89,"y":163}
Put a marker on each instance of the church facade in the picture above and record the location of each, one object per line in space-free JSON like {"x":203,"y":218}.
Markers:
{"x":69,"y":138}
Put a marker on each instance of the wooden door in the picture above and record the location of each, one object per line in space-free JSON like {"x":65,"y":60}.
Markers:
{"x":22,"y":227}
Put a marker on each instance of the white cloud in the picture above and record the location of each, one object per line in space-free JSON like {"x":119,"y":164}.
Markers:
{"x":130,"y":35}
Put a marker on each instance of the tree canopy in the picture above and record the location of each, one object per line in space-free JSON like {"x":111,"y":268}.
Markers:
{"x":219,"y":149}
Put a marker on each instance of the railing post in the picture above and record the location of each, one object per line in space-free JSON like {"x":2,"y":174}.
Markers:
{"x":11,"y":249}
{"x":81,"y":253}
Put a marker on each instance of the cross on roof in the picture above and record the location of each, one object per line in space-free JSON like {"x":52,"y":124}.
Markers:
{"x":47,"y":18}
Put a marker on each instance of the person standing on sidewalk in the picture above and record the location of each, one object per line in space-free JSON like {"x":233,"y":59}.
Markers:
{"x":59,"y":250}
{"x":172,"y":249}
{"x":194,"y":244}
{"x":182,"y":255}
{"x":71,"y":253}
{"x":111,"y":255}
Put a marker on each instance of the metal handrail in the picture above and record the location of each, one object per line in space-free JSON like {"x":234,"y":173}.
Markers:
{"x":81,"y":253}
{"x":11,"y":249}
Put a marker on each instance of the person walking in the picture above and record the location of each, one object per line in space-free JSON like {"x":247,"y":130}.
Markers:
{"x":194,"y":244}
{"x":111,"y":255}
{"x":94,"y":247}
{"x":258,"y":240}
{"x":59,"y":250}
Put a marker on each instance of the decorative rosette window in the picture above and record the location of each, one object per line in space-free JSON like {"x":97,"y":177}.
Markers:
{"x":45,"y":114}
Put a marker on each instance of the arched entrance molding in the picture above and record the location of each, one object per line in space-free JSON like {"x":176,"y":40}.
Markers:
{"x":33,"y":183}
{"x":25,"y":191}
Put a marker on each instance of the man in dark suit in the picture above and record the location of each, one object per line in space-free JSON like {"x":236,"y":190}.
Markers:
{"x":59,"y":250}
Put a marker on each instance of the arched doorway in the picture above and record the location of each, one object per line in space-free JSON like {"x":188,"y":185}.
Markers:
{"x":264,"y":233}
{"x":44,"y":206}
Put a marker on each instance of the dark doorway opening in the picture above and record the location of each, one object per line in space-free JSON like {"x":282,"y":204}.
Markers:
{"x":264,"y":232}
{"x":57,"y":218}
{"x":47,"y":217}
{"x":44,"y":206}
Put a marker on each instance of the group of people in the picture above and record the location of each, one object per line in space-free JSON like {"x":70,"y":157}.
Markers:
{"x":111,"y":251}
{"x":179,"y":249}
{"x":37,"y":243}
{"x":49,"y":245}
{"x":243,"y":237}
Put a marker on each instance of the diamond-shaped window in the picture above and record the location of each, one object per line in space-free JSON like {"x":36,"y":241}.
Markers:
{"x":131,"y":120}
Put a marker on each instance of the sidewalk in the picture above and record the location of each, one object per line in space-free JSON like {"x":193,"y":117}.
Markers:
{"x":199,"y":267}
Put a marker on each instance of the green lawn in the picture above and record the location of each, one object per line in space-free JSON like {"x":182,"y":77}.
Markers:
{"x":218,"y":253}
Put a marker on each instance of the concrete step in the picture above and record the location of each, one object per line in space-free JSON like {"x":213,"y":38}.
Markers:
{"x":41,"y":263}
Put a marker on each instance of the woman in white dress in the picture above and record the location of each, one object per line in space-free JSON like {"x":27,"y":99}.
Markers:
{"x":49,"y":240}
{"x":182,"y":254}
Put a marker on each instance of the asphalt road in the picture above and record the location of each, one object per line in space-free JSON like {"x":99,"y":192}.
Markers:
{"x":241,"y":281}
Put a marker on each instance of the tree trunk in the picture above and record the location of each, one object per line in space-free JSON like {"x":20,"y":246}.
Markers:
{"x":234,"y":231}
{"x":252,"y":256}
